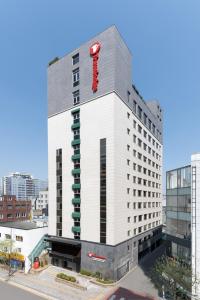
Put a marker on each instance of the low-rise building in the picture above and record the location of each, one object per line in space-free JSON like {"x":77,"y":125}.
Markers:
{"x":42,"y":200}
{"x":12,"y":209}
{"x":27,"y":242}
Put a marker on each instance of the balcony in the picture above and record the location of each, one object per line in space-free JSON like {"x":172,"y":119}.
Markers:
{"x":76,"y":201}
{"x":76,"y":215}
{"x":76,"y":229}
{"x":75,"y":110}
{"x":76,"y":186}
{"x":76,"y":156}
{"x":75,"y":125}
{"x":76,"y":171}
{"x":76,"y":142}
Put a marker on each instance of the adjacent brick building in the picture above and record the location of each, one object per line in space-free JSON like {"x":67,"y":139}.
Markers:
{"x":12,"y":209}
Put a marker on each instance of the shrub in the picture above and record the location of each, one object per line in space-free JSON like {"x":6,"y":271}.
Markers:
{"x":98,"y":275}
{"x":106,"y":281}
{"x":85,"y":272}
{"x":66,"y":277}
{"x":41,"y":264}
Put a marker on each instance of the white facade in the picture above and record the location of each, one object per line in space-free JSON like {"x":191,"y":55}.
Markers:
{"x":25,"y":240}
{"x":133,"y":171}
{"x":42,"y":200}
{"x":195,"y":165}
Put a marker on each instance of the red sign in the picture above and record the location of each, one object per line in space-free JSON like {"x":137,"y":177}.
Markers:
{"x":94,"y":52}
{"x":93,"y":256}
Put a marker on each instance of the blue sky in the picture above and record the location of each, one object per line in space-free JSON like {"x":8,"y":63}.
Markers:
{"x":163,"y":36}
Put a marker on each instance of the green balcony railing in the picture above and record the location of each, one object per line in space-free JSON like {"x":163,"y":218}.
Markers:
{"x":76,"y":142}
{"x":76,"y":186}
{"x":76,"y":156}
{"x":76,"y":201}
{"x":76,"y":229}
{"x":75,"y":110}
{"x":76,"y":215}
{"x":76,"y":171}
{"x":75,"y":125}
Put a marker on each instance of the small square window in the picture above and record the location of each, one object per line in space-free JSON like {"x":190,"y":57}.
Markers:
{"x":75,"y":77}
{"x":76,"y":97}
{"x":75,"y":59}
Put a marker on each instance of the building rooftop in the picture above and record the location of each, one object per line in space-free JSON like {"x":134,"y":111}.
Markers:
{"x":20,"y":225}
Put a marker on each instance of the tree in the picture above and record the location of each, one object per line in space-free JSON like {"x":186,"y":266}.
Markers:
{"x":175,"y":274}
{"x":6,"y":248}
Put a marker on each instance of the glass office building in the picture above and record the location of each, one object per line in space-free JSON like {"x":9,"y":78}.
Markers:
{"x":178,"y":213}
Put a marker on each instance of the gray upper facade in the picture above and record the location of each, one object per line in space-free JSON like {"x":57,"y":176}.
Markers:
{"x":115,"y":68}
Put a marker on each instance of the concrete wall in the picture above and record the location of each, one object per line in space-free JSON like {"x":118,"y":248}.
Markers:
{"x":114,"y":65}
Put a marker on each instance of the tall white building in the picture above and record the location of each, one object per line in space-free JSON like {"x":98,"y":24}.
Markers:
{"x":105,"y":160}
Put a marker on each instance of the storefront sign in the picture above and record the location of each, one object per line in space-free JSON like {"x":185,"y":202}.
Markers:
{"x":93,"y":256}
{"x":94,"y":52}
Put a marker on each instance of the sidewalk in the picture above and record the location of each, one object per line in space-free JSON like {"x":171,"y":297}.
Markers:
{"x":44,"y":283}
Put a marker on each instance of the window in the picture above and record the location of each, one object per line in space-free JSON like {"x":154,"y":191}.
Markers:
{"x":128,"y":232}
{"x":128,"y":95}
{"x":128,"y":131}
{"x":134,"y":138}
{"x":154,"y":128}
{"x":135,"y":219}
{"x":75,"y":59}
{"x":128,"y":219}
{"x":76,"y":97}
{"x":140,"y":218}
{"x":134,"y":124}
{"x":145,"y":119}
{"x":128,"y":162}
{"x":128,"y":147}
{"x":128,"y":204}
{"x":128,"y":115}
{"x":134,"y":106}
{"x":19,"y":238}
{"x":139,"y":155}
{"x":139,"y":112}
{"x":75,"y":77}
{"x":139,"y":142}
{"x":139,"y":129}
{"x":149,"y":124}
{"x":8,"y":236}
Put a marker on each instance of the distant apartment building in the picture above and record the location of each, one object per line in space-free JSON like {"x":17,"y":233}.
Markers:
{"x":182,"y":230}
{"x":105,"y":160}
{"x":14,"y":210}
{"x":22,"y":185}
{"x":178,"y":212}
{"x":42,"y":200}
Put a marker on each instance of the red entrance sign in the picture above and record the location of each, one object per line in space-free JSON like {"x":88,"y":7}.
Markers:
{"x":93,"y":256}
{"x":94,"y":52}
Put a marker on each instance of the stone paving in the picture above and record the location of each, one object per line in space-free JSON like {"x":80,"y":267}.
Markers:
{"x":137,"y":280}
{"x":44,"y":282}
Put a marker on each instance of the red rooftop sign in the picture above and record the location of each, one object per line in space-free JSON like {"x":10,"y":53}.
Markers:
{"x":94,"y":52}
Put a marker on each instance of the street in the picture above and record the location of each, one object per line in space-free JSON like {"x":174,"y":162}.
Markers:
{"x":11,"y":292}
